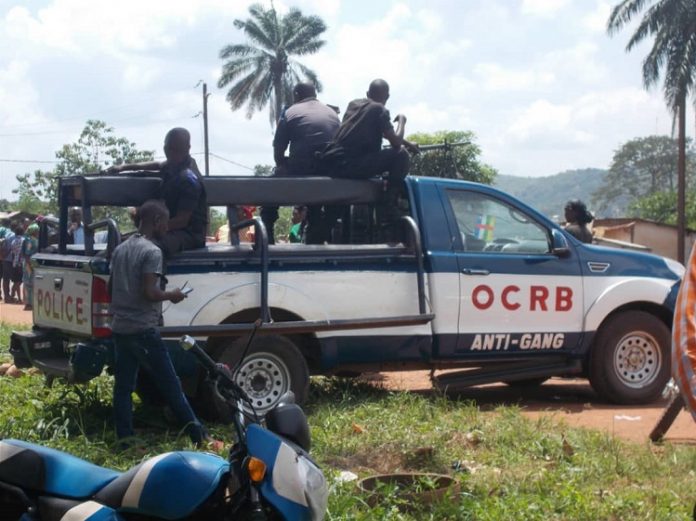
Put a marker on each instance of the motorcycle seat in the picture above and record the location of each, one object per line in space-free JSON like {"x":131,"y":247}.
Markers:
{"x":41,"y":469}
{"x":168,"y":486}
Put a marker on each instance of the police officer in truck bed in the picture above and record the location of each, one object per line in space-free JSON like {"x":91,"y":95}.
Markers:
{"x":306,"y":126}
{"x":183,"y":193}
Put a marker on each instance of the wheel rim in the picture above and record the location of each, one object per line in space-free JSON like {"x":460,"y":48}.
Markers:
{"x":265,"y":378}
{"x":637,"y":359}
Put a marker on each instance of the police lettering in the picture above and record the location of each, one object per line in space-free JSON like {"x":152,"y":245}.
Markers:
{"x":60,"y":307}
{"x":539,"y":298}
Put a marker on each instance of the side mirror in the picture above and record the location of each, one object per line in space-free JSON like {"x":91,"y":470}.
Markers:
{"x":559,"y":244}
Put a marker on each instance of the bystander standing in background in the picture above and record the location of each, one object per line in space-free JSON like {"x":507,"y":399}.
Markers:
{"x":577,"y":218}
{"x":16,"y":259}
{"x":5,"y":232}
{"x":5,"y":257}
{"x":29,"y":247}
{"x":76,"y":230}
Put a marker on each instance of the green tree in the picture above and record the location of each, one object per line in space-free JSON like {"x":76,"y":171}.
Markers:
{"x":263,"y":70}
{"x":640,"y":168}
{"x":672,"y":25}
{"x":96,"y":148}
{"x":31,"y":204}
{"x":263,"y":170}
{"x":662,"y":207}
{"x":456,"y":161}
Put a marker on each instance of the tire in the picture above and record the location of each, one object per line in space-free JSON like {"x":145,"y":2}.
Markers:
{"x":670,"y":414}
{"x":273,"y":366}
{"x":630,"y":358}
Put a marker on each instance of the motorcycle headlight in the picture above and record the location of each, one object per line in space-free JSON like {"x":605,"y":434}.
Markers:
{"x":315,"y":488}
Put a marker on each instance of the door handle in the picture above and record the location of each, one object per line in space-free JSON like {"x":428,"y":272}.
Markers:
{"x":469,"y":271}
{"x":58,"y":283}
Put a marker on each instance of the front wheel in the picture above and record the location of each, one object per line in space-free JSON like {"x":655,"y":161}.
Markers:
{"x":273,"y":366}
{"x":630,"y":358}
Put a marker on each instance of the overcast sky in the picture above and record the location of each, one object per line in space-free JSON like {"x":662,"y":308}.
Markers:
{"x":538,"y":81}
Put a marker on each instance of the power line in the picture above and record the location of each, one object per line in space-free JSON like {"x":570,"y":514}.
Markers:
{"x":28,"y":161}
{"x":229,"y":161}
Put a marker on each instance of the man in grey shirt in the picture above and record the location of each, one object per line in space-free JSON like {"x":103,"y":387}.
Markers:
{"x":136,"y":304}
{"x":307,"y":126}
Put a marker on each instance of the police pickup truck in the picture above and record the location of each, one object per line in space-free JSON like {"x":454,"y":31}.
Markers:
{"x":466,"y":278}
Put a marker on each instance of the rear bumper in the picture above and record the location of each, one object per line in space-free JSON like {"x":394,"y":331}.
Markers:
{"x":25,"y":345}
{"x":56,"y":355}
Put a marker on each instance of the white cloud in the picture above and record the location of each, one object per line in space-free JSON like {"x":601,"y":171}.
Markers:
{"x":544,"y":120}
{"x":596,"y":20}
{"x":579,"y":63}
{"x":396,"y":47}
{"x":543,"y":8}
{"x":493,"y":76}
{"x":18,"y":97}
{"x":88,"y":27}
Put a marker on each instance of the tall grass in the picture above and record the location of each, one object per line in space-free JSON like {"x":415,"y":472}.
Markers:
{"x":508,"y":466}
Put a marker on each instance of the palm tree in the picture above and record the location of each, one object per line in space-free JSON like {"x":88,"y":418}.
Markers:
{"x":263,"y":71}
{"x":672,"y":24}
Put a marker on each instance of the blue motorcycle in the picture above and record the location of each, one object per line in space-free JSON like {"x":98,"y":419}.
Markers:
{"x":267,"y":475}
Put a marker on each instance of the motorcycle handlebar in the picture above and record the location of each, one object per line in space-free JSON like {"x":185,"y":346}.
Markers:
{"x":219,"y":371}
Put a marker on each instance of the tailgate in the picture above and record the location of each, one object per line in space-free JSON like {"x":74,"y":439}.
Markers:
{"x":62,"y":293}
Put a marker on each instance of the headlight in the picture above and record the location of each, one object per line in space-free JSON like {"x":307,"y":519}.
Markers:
{"x":316,"y":489}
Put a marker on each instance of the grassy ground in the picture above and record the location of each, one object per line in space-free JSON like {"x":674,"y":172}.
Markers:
{"x":508,"y":467}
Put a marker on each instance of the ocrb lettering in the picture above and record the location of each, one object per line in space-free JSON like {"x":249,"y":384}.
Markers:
{"x":539,"y":298}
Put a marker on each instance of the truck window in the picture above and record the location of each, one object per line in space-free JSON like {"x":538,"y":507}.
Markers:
{"x":490,"y":225}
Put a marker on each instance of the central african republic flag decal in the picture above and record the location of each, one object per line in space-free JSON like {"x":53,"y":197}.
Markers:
{"x":485,"y":224}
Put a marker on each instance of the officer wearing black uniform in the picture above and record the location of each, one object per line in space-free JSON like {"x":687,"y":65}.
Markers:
{"x":182,"y":191}
{"x":184,"y":194}
{"x":306,"y":127}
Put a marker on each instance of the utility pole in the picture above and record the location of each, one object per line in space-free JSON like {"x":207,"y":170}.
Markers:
{"x":681,"y":181}
{"x":205,"y":128}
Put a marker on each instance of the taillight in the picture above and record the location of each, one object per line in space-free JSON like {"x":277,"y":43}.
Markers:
{"x":101,"y":317}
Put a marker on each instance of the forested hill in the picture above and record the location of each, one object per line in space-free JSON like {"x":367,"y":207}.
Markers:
{"x":549,"y":194}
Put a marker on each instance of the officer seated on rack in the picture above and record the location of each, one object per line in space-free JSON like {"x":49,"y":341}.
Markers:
{"x":182,"y":191}
{"x":356,"y":150}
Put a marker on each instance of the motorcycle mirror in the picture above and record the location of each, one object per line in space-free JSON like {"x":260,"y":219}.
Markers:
{"x":287,"y":398}
{"x":187,"y":342}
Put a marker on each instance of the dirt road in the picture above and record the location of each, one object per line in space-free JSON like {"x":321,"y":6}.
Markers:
{"x":570,"y":400}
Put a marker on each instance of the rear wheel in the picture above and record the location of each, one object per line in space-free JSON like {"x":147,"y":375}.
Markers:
{"x":630,"y":358}
{"x":273,"y":366}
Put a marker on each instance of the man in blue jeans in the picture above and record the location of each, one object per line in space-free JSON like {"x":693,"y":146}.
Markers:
{"x":136,"y":304}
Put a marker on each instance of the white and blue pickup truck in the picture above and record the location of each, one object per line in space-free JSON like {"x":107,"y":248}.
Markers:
{"x":467,"y":278}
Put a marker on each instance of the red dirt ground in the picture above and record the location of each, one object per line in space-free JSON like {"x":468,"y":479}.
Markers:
{"x":569,"y":400}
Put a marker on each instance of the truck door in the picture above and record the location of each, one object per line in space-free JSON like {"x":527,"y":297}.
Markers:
{"x":516,"y":295}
